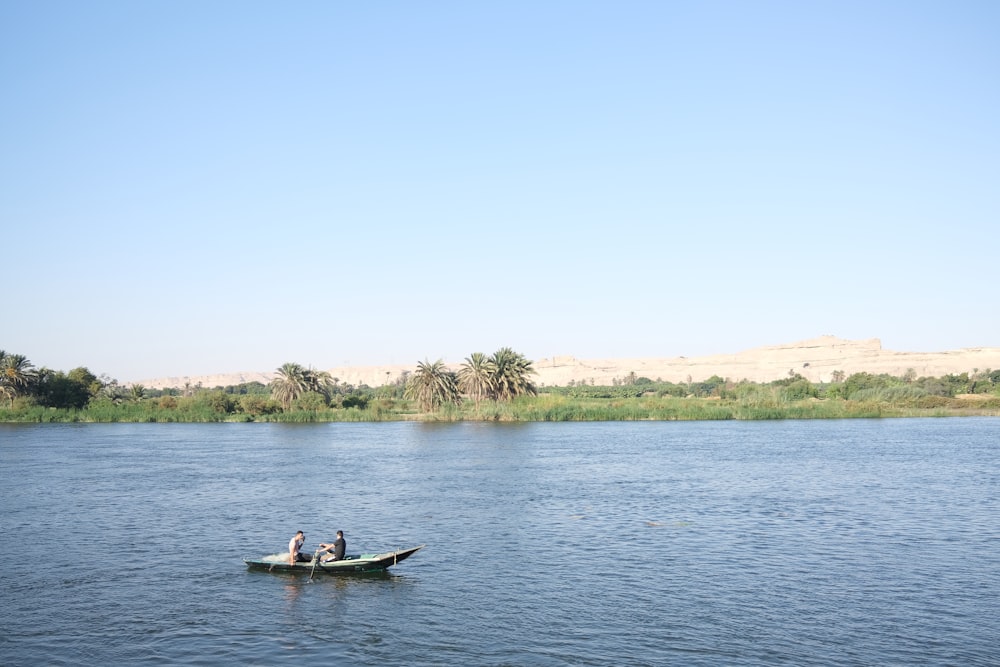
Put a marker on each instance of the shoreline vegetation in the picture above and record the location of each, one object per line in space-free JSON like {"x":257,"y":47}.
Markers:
{"x":542,"y":409}
{"x":494,"y":388}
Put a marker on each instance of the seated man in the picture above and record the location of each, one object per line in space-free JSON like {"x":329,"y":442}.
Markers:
{"x":338,"y":547}
{"x":295,"y":547}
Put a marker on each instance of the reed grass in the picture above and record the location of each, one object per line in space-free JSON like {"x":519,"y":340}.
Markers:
{"x":896,"y":395}
{"x":762,"y":403}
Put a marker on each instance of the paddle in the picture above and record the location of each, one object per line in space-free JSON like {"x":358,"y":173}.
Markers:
{"x":315,"y":560}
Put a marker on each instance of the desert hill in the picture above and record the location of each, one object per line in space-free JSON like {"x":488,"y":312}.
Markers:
{"x":814,"y":359}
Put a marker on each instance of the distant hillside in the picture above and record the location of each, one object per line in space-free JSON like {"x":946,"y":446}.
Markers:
{"x":814,"y":359}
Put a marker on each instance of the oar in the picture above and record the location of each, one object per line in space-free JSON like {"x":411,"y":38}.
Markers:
{"x":315,"y":560}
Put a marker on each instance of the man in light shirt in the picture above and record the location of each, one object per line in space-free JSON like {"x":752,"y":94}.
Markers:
{"x":294,"y":545}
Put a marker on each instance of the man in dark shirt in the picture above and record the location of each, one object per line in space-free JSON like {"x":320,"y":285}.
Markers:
{"x":338,"y":548}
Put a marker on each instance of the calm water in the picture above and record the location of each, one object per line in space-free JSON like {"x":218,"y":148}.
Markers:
{"x":862,"y":542}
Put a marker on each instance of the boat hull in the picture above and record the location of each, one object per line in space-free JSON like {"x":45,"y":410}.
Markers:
{"x":352,"y":564}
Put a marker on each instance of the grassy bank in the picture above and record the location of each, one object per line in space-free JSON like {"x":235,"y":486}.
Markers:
{"x":541,"y":408}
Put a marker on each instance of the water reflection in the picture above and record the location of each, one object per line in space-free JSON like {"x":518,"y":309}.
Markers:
{"x":292,"y":592}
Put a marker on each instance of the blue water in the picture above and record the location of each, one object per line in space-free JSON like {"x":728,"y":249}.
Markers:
{"x":858,"y":542}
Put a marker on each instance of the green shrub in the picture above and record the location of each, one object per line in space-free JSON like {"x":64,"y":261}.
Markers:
{"x":355,"y":401}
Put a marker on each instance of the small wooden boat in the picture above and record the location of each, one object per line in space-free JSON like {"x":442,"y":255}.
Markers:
{"x":350,"y":564}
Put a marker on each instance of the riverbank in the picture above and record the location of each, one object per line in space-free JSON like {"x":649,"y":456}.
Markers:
{"x":542,"y":408}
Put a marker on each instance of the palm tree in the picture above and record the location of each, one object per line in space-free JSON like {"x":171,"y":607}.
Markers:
{"x":510,"y":375}
{"x":16,"y":375}
{"x":475,"y":377}
{"x":294,"y":380}
{"x":320,"y":381}
{"x":290,"y":383}
{"x":432,"y":385}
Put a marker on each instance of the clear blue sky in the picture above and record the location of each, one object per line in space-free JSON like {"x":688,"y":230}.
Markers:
{"x":207,"y":187}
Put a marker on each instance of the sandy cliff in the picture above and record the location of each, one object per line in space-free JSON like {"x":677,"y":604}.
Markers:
{"x":814,"y":359}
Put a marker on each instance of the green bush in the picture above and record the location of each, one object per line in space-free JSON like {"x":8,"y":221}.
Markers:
{"x":355,"y":401}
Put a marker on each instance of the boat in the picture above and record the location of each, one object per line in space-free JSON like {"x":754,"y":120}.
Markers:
{"x":350,"y":564}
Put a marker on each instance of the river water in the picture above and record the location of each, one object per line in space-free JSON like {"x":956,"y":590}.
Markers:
{"x":856,"y":542}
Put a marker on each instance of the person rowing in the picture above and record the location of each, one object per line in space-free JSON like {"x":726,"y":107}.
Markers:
{"x":335,"y":549}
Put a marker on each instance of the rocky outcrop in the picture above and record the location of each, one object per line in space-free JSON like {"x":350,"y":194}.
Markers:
{"x":816,"y":359}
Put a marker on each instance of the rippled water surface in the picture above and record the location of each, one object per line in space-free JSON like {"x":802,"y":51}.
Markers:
{"x":704,"y":543}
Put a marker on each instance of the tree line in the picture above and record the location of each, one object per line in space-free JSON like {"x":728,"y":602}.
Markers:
{"x":302,"y":393}
{"x":502,"y":376}
{"x":75,"y":389}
